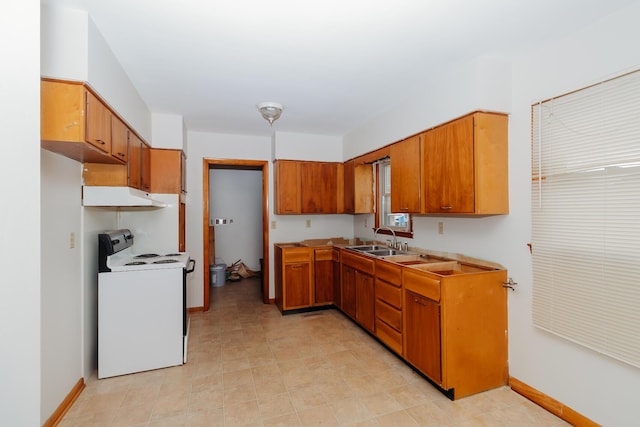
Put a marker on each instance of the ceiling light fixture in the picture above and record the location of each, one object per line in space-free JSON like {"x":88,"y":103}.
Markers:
{"x":270,"y":111}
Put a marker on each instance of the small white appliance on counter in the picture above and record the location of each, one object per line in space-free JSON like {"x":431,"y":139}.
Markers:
{"x":142,"y":307}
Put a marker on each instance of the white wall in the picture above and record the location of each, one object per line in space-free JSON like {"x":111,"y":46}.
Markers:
{"x":20,"y":293}
{"x":65,"y":43}
{"x":237,"y":195}
{"x":297,"y":146}
{"x":596,"y":386}
{"x":154,"y":229}
{"x":167,"y":131}
{"x":61,"y":314}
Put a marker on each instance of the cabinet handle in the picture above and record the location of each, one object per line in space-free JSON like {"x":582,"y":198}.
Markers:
{"x":510,"y":284}
{"x":446,"y":208}
{"x":121,"y":154}
{"x":404,"y":209}
{"x":296,"y":266}
{"x":100,"y":141}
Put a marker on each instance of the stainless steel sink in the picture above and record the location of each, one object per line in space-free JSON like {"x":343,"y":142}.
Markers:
{"x":367,"y":248}
{"x":386,"y":252}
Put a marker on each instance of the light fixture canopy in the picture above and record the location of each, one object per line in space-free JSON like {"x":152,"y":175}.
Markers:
{"x":270,"y":111}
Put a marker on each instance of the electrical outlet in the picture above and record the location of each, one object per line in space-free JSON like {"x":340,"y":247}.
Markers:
{"x":308,"y":223}
{"x":273,"y":225}
{"x":365,"y":223}
{"x":72,"y":240}
{"x":441,"y":228}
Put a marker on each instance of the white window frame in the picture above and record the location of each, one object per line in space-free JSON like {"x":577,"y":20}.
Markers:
{"x":399,"y":222}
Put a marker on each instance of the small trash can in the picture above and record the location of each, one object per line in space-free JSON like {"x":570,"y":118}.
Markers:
{"x":218,"y":274}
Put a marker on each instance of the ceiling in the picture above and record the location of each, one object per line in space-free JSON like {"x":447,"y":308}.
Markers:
{"x":333,"y":64}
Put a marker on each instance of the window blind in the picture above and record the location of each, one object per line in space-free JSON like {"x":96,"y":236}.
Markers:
{"x":586,"y":217}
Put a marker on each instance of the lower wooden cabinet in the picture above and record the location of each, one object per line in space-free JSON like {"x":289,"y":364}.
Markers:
{"x":297,"y":292}
{"x":349,"y":290}
{"x":358,"y":292}
{"x":365,"y":300}
{"x":323,"y":276}
{"x":337,"y":295}
{"x":455,"y":327}
{"x":304,"y":276}
{"x":422,"y":345}
{"x":293,"y":273}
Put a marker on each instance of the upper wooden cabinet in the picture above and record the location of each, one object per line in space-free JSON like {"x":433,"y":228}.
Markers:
{"x":74,"y":122}
{"x":119,"y":139}
{"x":145,"y":167}
{"x":287,"y":187}
{"x":405,"y":175}
{"x":319,"y":186}
{"x":307,"y":187}
{"x":167,"y":171}
{"x":134,"y":166}
{"x":465,"y":166}
{"x":358,"y":188}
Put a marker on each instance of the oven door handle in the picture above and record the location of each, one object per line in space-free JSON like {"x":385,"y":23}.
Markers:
{"x":192,"y":263}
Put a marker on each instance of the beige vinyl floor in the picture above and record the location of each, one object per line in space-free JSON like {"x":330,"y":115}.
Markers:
{"x":250,"y":366}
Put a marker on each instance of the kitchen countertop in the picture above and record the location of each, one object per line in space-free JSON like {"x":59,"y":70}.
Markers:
{"x":344,"y":243}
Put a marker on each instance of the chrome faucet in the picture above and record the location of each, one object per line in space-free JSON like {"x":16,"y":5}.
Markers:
{"x":394,"y":244}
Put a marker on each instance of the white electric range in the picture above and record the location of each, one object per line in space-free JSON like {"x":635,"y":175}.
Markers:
{"x":142,"y":312}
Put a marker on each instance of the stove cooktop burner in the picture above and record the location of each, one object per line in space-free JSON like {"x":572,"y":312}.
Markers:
{"x":147,"y":256}
{"x":175,"y":254}
{"x":165,"y":261}
{"x":136,"y":263}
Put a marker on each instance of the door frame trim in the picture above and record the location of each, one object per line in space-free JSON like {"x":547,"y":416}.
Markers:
{"x":262,"y":165}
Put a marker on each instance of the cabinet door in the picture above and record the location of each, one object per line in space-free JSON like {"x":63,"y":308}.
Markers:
{"x":183,"y":173}
{"x":135,"y":160}
{"x":349,"y":187}
{"x":349,"y":291}
{"x":119,"y":139}
{"x":319,"y":185}
{"x":323,"y":275}
{"x":98,"y":124}
{"x":405,"y":176}
{"x":448,"y":175}
{"x":145,"y":167}
{"x":182,"y":238}
{"x":422,"y":332}
{"x":166,"y":170}
{"x":287,"y":187}
{"x":365,"y":301}
{"x":337,"y":294}
{"x":297,"y":292}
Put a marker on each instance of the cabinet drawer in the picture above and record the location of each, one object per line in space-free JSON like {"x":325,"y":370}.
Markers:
{"x":390,"y":315}
{"x":389,"y":294}
{"x":360,"y":263}
{"x":389,"y":272}
{"x":296,"y":255}
{"x":421,"y":284}
{"x":389,"y":336}
{"x":323,"y":254}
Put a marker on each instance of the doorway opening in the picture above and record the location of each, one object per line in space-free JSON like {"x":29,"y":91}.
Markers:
{"x":230,"y":164}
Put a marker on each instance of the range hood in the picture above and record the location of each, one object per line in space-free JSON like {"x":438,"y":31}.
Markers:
{"x":117,"y":196}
